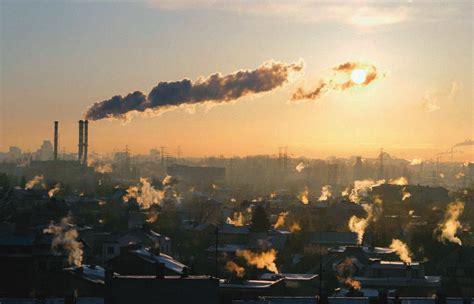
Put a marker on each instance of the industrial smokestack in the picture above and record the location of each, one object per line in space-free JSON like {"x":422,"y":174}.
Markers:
{"x":56,"y":125}
{"x":81,"y":141}
{"x":86,"y":141}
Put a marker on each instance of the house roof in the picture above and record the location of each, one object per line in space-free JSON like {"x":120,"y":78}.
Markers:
{"x":248,"y":284}
{"x":376,"y":263}
{"x":226,"y":248}
{"x":342,"y":300}
{"x":427,"y":281}
{"x":29,"y":194}
{"x":333,"y":237}
{"x":165,"y":259}
{"x":139,"y":236}
{"x":232,"y":229}
{"x":289,"y":276}
{"x":158,"y":236}
{"x":167,"y":277}
{"x":92,"y":273}
{"x":365,"y":249}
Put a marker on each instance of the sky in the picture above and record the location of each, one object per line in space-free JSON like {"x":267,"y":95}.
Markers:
{"x":58,"y":58}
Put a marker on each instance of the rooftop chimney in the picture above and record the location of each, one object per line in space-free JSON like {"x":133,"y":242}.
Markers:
{"x":81,"y":141}
{"x":86,"y":141}
{"x":56,"y":125}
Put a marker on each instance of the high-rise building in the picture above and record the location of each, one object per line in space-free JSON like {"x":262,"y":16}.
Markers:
{"x":357,"y":173}
{"x":155,"y":154}
{"x":45,"y":152}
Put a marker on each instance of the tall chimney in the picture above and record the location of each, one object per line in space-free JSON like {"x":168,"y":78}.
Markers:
{"x":81,"y":141}
{"x":56,"y":125}
{"x":86,"y":141}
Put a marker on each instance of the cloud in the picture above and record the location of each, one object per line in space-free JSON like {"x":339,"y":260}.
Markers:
{"x":454,"y":90}
{"x":369,"y":16}
{"x":431,"y":101}
{"x":430,"y":104}
{"x":349,"y":67}
{"x":340,"y":80}
{"x":360,"y":14}
{"x":316,"y":93}
{"x":355,"y":13}
{"x":214,"y":89}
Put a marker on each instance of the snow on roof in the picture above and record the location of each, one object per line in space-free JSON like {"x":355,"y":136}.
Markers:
{"x":366,"y":249}
{"x":167,"y":260}
{"x":289,"y":276}
{"x":157,"y":235}
{"x":247,"y":284}
{"x":380,"y":250}
{"x":92,"y":273}
{"x":396,"y":264}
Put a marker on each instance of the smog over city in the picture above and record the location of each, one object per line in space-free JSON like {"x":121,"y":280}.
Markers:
{"x":236,"y":152}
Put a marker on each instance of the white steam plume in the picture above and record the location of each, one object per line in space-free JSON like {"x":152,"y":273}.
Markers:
{"x":36,"y":181}
{"x":402,"y":250}
{"x":447,"y":229}
{"x":65,"y":238}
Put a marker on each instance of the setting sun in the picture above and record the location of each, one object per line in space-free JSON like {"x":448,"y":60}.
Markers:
{"x":358,"y":75}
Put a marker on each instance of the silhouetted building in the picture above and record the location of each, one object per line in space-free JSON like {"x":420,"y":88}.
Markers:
{"x":159,"y":288}
{"x":197,"y":175}
{"x":135,"y":260}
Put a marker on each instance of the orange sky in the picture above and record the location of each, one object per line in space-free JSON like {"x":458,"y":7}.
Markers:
{"x":421,"y":107}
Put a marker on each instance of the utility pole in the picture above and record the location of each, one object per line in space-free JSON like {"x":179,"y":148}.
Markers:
{"x":179,"y":152}
{"x":127,"y":161}
{"x":320,"y":259}
{"x":217,"y":251}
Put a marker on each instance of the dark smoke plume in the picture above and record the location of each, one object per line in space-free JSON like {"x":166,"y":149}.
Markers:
{"x":345,"y":70}
{"x":300,"y":93}
{"x":467,"y":142}
{"x":216,"y":89}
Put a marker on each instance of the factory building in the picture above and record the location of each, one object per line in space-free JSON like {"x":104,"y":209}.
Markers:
{"x":68,"y":171}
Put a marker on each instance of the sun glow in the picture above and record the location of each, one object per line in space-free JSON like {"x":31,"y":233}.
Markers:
{"x":358,"y":76}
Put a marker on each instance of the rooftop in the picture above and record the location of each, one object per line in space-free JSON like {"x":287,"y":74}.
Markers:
{"x":165,"y":259}
{"x":289,"y":276}
{"x":343,"y":300}
{"x":93,"y":273}
{"x":246,"y":284}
